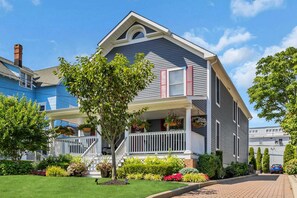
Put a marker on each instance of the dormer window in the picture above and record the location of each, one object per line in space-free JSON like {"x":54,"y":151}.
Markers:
{"x":137,"y":35}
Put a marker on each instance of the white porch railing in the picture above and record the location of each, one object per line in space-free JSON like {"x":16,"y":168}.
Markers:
{"x":157,"y":142}
{"x":75,"y":145}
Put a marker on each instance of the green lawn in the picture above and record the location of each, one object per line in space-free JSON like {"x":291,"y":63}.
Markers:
{"x":39,"y":186}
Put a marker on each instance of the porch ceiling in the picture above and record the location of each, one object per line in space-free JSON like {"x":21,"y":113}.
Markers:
{"x":157,"y":108}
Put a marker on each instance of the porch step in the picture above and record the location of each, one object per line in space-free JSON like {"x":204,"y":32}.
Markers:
{"x":94,"y":174}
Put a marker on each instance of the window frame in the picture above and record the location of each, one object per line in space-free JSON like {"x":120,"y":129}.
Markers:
{"x":184,"y":81}
{"x":218,"y":91}
{"x":234,"y":144}
{"x":218,"y":135}
{"x":235,"y":105}
{"x":42,"y":104}
{"x":238,"y":140}
{"x":25,"y":80}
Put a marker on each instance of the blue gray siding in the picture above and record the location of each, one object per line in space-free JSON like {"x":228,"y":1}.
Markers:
{"x":243,"y":130}
{"x":224,"y":114}
{"x":164,"y":55}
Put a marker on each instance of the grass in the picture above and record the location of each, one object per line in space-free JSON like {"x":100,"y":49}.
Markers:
{"x":39,"y":186}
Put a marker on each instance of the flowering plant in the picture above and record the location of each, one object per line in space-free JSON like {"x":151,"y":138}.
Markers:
{"x":198,"y":122}
{"x":173,"y":177}
{"x":172,"y":120}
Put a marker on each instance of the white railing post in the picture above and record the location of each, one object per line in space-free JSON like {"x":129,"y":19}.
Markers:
{"x":188,"y":130}
{"x":127,"y":148}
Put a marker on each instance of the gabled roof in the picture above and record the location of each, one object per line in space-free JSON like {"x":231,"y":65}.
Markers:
{"x":46,"y":77}
{"x":4,"y":71}
{"x":108,"y":42}
{"x":24,"y":68}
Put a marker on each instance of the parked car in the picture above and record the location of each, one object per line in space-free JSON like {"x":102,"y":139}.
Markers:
{"x":276,"y":168}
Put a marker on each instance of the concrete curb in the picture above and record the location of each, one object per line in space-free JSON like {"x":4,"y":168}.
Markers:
{"x":194,"y":186}
{"x":293,"y":182}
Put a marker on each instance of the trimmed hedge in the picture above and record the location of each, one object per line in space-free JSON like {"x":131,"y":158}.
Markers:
{"x":259,"y":160}
{"x":62,"y":160}
{"x":252,"y":159}
{"x":8,"y":167}
{"x":236,"y":169}
{"x":265,"y":161}
{"x":289,"y":153}
{"x":160,"y":169}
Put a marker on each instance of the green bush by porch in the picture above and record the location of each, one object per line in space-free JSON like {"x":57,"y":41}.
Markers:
{"x":36,"y":186}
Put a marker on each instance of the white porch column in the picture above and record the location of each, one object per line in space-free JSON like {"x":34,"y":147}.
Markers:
{"x":99,"y":144}
{"x":188,"y":131}
{"x":80,"y":121}
{"x":127,"y":143}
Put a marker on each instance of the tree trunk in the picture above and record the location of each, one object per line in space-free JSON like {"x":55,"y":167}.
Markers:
{"x":113,"y":158}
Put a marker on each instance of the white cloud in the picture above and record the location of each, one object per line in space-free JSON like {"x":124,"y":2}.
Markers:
{"x":6,"y":5}
{"x":238,"y":55}
{"x":36,"y":2}
{"x":248,"y":8}
{"x":244,"y":75}
{"x":230,"y":37}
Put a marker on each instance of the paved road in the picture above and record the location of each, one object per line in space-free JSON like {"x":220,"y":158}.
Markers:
{"x":258,"y":186}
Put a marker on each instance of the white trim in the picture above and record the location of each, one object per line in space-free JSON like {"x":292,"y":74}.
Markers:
{"x":234,"y":148}
{"x":26,"y":80}
{"x":133,"y":30}
{"x":217,"y":122}
{"x":185,"y":86}
{"x":42,"y":104}
{"x":238,"y":138}
{"x":208,"y":110}
{"x":217,"y":79}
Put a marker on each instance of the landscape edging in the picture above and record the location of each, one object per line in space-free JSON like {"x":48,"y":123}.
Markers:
{"x":194,"y":186}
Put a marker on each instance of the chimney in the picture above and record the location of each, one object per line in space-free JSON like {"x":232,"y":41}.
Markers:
{"x":18,"y":55}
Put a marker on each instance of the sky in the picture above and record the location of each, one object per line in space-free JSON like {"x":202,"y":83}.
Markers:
{"x":240,"y":32}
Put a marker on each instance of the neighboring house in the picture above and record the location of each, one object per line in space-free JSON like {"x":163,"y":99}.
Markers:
{"x":41,"y":86}
{"x":191,"y":82}
{"x":273,"y":138}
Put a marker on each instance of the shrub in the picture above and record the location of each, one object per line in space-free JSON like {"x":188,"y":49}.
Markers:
{"x":175,"y":162}
{"x":56,"y":171}
{"x":259,"y":160}
{"x":153,"y":161}
{"x":236,"y":169}
{"x":195,"y":177}
{"x":174,"y":177}
{"x":77,"y":169}
{"x":105,"y":168}
{"x":160,"y":169}
{"x":188,"y":170}
{"x":137,"y":176}
{"x":121,"y":173}
{"x":152,"y":177}
{"x":219,"y":153}
{"x":210,"y":165}
{"x":61,"y":160}
{"x":265,"y":163}
{"x":291,"y":167}
{"x":8,"y":167}
{"x":252,"y":159}
{"x":133,"y":160}
{"x":289,"y":153}
{"x":39,"y":172}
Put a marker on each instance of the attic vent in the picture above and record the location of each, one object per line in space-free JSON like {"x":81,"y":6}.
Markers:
{"x":137,"y":35}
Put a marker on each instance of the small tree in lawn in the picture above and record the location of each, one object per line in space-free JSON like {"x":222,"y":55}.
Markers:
{"x":265,"y":161}
{"x":289,"y":153}
{"x":105,"y":88}
{"x":22,"y":127}
{"x":259,"y":159}
{"x":252,"y":159}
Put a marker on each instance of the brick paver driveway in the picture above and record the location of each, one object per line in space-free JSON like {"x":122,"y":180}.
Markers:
{"x":258,"y":186}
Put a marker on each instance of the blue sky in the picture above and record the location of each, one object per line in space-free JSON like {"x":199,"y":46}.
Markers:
{"x":239,"y":31}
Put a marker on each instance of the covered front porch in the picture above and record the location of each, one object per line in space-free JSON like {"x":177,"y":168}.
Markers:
{"x":156,"y":139}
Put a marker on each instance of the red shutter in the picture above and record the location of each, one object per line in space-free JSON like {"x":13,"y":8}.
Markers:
{"x":189,"y":81}
{"x":163,"y":83}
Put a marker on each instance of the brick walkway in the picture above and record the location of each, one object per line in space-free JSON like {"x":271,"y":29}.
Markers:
{"x":258,"y":186}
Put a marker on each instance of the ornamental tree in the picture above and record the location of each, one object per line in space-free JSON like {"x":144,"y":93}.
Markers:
{"x":105,"y":88}
{"x":289,"y":153}
{"x":22,"y":127}
{"x":266,"y":161}
{"x":259,"y":159}
{"x":252,"y":159}
{"x":274,"y":90}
